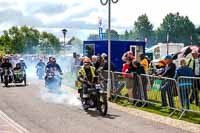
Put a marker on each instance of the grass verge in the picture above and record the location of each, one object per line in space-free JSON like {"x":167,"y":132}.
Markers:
{"x":188,"y":116}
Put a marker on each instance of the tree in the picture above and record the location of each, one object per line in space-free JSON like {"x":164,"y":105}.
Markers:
{"x":30,"y":38}
{"x":113,"y":34}
{"x":49,"y":43}
{"x":179,"y":29}
{"x":26,"y":39}
{"x":92,"y":37}
{"x":198,"y":35}
{"x":143,"y":29}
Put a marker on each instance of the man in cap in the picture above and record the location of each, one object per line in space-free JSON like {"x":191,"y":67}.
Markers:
{"x":169,"y":72}
{"x":194,"y":63}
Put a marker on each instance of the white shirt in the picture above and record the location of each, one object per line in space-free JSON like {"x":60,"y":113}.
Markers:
{"x":197,"y":67}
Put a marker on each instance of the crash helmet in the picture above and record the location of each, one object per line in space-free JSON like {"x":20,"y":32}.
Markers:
{"x":18,"y":65}
{"x":53,"y":59}
{"x":21,"y":59}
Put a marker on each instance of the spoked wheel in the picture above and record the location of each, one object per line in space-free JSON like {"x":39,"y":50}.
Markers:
{"x":85,"y":107}
{"x":103,"y":105}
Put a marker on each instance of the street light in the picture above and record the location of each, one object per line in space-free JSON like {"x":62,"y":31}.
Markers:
{"x":167,"y":43}
{"x":190,"y":39}
{"x":64,"y":33}
{"x":104,"y":3}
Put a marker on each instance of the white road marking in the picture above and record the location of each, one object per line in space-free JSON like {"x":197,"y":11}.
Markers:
{"x":12,"y":123}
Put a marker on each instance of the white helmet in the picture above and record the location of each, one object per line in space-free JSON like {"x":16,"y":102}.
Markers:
{"x":21,"y":59}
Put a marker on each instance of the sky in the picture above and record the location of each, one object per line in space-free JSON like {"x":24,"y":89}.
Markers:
{"x":80,"y":17}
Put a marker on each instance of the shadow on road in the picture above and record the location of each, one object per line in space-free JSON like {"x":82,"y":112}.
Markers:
{"x":94,"y":113}
{"x":14,"y":85}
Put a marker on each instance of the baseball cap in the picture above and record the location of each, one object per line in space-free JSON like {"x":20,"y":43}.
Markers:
{"x":168,"y":57}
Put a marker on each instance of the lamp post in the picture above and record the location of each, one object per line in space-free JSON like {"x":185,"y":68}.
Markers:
{"x":104,"y":3}
{"x":64,"y":34}
{"x":190,"y":39}
{"x":167,"y":43}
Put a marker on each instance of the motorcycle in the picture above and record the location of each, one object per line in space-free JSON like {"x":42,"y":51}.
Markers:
{"x":7,"y":76}
{"x":40,"y":72}
{"x":97,"y":98}
{"x":53,"y":81}
{"x":19,"y":76}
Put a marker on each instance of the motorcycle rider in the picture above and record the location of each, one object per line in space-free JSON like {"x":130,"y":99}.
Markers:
{"x":52,"y":65}
{"x":86,"y":76}
{"x":23,"y":64}
{"x":6,"y":65}
{"x":17,"y":68}
{"x":40,"y":65}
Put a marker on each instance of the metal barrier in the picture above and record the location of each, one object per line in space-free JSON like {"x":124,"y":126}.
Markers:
{"x":188,"y":88}
{"x":143,"y":89}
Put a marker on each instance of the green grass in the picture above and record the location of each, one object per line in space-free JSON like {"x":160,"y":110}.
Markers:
{"x":188,"y":116}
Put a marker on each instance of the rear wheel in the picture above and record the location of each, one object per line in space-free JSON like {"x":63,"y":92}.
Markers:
{"x":103,"y":105}
{"x":24,"y":82}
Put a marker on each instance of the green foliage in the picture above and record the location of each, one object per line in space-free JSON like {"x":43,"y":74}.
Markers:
{"x":179,"y":28}
{"x":113,"y":35}
{"x":93,"y":37}
{"x":27,"y":39}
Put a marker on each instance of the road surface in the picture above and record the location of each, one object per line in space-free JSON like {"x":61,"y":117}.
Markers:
{"x":40,"y":112}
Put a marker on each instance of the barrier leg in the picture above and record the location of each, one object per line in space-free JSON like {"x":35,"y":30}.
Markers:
{"x":182,"y":113}
{"x":172,"y":113}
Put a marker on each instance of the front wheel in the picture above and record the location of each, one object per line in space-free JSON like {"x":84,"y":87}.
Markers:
{"x":6,"y":81}
{"x":83,"y":101}
{"x":103,"y":105}
{"x":24,"y":82}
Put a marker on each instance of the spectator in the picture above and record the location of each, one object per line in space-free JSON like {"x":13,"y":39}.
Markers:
{"x":194,"y":63}
{"x":99,"y":63}
{"x":127,"y":55}
{"x":129,"y":80}
{"x":105,"y":64}
{"x":94,"y":60}
{"x":144,"y":62}
{"x":105,"y":71}
{"x":167,"y":87}
{"x":135,"y":69}
{"x":184,"y":84}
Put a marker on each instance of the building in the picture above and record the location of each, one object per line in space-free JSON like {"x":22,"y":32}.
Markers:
{"x":118,"y":48}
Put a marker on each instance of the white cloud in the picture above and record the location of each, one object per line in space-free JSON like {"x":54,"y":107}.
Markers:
{"x":81,"y":16}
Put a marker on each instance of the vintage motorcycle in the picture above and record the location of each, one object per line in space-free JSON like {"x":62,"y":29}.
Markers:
{"x":7,"y":76}
{"x":97,"y":98}
{"x":53,"y":80}
{"x":19,"y":76}
{"x":40,"y":72}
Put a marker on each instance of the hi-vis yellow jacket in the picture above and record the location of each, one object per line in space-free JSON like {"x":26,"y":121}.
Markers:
{"x":82,"y":74}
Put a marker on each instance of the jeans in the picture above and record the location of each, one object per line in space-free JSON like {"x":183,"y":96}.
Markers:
{"x":184,"y":97}
{"x":195,"y":91}
{"x":167,"y":88}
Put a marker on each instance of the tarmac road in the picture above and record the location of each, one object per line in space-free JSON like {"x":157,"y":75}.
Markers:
{"x":34,"y":112}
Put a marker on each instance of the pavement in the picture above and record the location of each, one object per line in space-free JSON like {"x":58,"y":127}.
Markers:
{"x":31,"y":109}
